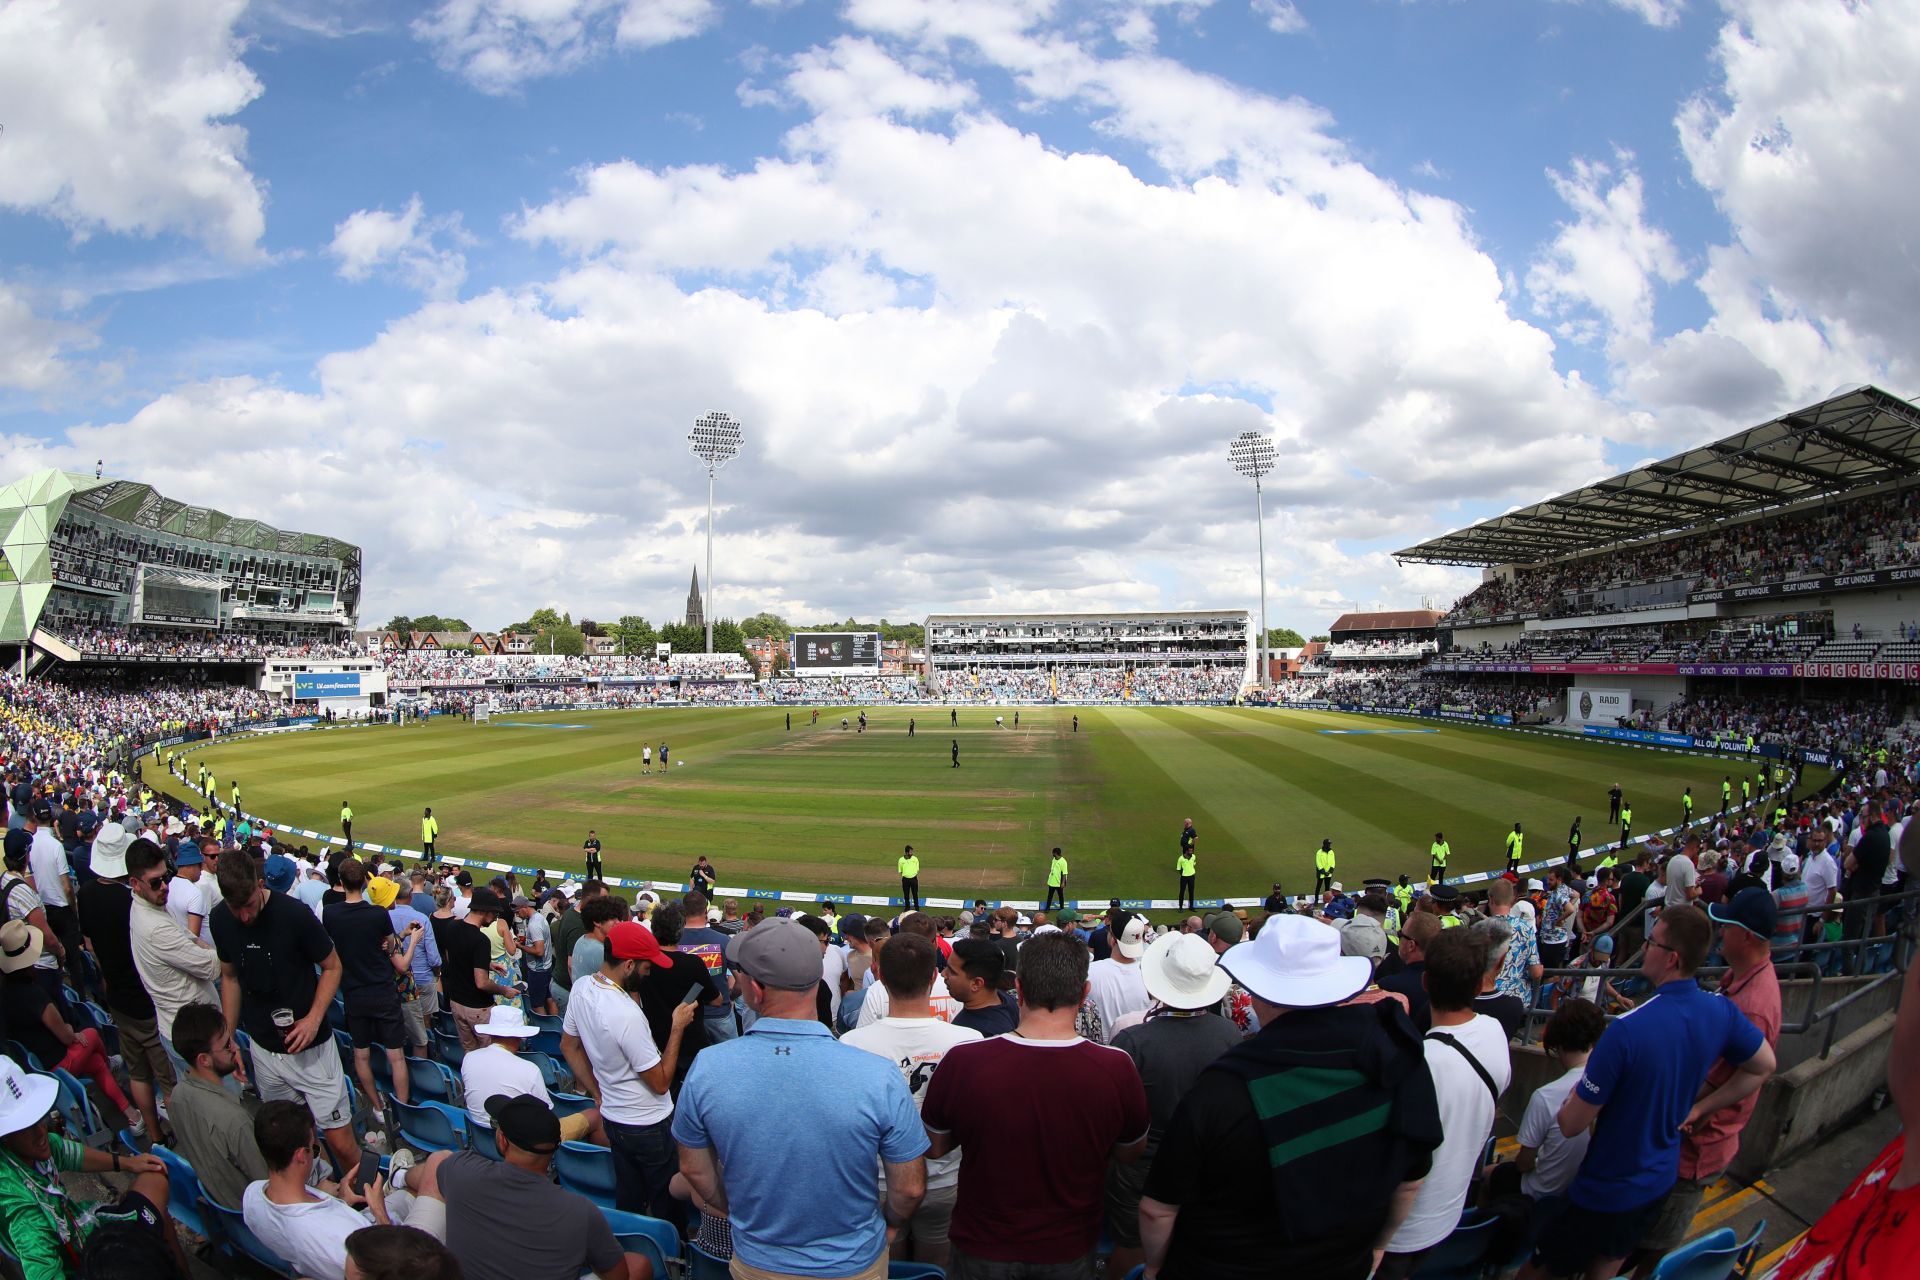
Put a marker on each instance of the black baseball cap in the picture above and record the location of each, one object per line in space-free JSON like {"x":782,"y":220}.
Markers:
{"x":18,"y":842}
{"x":527,"y":1122}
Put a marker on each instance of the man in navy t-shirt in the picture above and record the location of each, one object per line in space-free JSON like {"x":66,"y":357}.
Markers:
{"x":1639,"y":1095}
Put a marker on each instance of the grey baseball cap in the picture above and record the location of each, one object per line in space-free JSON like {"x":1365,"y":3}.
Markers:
{"x":778,"y":952}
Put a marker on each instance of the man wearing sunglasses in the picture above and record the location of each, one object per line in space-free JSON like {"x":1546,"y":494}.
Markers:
{"x":176,"y":969}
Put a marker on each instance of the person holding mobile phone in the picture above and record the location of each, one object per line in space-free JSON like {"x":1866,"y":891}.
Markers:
{"x":309,"y":1227}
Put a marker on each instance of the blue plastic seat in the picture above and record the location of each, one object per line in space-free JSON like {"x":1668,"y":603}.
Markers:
{"x":652,"y":1238}
{"x":480,"y":1139}
{"x":1463,"y":1254}
{"x":344,"y":1043}
{"x":239,"y":1240}
{"x":1716,"y":1255}
{"x":566,"y":1104}
{"x":184,"y":1194}
{"x":921,"y":1271}
{"x":550,"y":1070}
{"x":431,"y":1126}
{"x":448,"y":1045}
{"x":587,"y":1169}
{"x":83,"y":1121}
{"x":702,"y":1265}
{"x":432,"y":1081}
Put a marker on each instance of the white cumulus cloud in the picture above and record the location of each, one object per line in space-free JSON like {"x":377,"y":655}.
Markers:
{"x":423,"y":253}
{"x":1604,"y":265}
{"x":497,"y":45}
{"x":118,"y":120}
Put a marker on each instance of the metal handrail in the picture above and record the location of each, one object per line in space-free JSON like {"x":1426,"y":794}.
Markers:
{"x":1905,"y":940}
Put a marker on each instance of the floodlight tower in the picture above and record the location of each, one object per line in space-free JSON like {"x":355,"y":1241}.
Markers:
{"x":1252,"y":455}
{"x":715,"y":440}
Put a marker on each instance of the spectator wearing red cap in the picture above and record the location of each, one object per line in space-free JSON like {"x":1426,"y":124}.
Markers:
{"x":613,"y":1055}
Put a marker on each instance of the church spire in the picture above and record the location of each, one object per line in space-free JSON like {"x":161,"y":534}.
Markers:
{"x":696,"y":610}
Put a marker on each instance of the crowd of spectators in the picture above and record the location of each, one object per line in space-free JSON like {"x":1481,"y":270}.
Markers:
{"x":190,"y":642}
{"x":846,"y":690}
{"x":1877,"y":532}
{"x":1845,"y":725}
{"x":1001,"y":1089}
{"x":1090,"y":684}
{"x":1393,"y":686}
{"x":1372,"y":650}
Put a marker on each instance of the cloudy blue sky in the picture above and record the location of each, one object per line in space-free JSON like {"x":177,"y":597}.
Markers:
{"x":990,"y":282}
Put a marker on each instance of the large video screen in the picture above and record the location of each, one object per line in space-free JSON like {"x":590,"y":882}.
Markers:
{"x":836,"y":651}
{"x":178,"y":603}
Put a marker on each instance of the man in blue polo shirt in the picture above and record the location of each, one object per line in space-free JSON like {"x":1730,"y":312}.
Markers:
{"x":798,"y":1208}
{"x":1640,"y":1094}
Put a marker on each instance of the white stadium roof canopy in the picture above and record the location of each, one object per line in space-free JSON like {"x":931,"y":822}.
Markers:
{"x":1851,"y":440}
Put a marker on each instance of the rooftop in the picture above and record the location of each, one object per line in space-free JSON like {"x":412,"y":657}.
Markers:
{"x":1849,"y":441}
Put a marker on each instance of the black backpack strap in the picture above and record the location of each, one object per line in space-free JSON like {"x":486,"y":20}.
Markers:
{"x":1486,"y":1077}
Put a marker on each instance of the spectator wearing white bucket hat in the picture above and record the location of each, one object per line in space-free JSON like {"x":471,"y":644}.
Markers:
{"x":1176,"y":1039}
{"x":496,"y":1068}
{"x":1301,"y":1148}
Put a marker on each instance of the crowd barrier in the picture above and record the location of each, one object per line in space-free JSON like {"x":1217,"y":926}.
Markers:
{"x":787,"y":896}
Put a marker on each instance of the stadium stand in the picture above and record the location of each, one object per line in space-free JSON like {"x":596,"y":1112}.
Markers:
{"x":1204,"y":656}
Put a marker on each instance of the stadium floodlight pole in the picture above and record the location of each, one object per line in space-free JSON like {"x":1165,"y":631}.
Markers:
{"x":715,"y":440}
{"x":1253,"y":456}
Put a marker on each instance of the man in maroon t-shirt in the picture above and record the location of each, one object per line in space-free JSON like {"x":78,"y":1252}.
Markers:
{"x":1036,"y":1115}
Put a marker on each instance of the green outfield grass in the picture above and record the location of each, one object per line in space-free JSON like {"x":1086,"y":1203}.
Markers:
{"x":818,"y":808}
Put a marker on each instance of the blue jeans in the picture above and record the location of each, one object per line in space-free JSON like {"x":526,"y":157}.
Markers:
{"x":644,"y":1162}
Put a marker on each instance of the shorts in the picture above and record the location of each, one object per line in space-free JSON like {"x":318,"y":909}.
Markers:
{"x":415,"y":1013}
{"x":422,"y":1213}
{"x":1581,"y":1234}
{"x":739,"y":1270}
{"x":313,"y":1076}
{"x":930,"y":1222}
{"x":576,"y":1127}
{"x":465,"y":1019}
{"x":1675,"y":1219}
{"x":385,"y":1028}
{"x":146,"y":1058}
{"x":1125,"y":1183}
{"x":539,"y":987}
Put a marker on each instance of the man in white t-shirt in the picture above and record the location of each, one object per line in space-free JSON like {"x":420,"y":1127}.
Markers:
{"x":1116,"y":986}
{"x":913,"y":1039}
{"x":496,"y":1068}
{"x":186,"y":896}
{"x":607,"y":1043}
{"x":1468,"y":1057}
{"x":877,"y":1004}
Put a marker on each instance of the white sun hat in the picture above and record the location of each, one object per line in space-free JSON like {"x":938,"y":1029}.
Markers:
{"x":507,"y":1020}
{"x":24,"y":1098}
{"x":1182,"y":972}
{"x":1296,"y":963}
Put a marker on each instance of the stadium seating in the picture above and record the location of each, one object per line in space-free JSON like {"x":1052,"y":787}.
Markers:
{"x":588,"y":1169}
{"x":236,"y":1239}
{"x":655,"y":1240}
{"x":184,"y":1197}
{"x":431,"y":1126}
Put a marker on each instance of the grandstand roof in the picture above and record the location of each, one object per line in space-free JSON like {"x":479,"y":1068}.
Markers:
{"x":1849,"y":441}
{"x":1404,"y":620}
{"x":139,"y":504}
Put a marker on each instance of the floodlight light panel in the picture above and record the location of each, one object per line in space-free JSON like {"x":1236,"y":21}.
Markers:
{"x":715,"y":438}
{"x":1252,"y":454}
